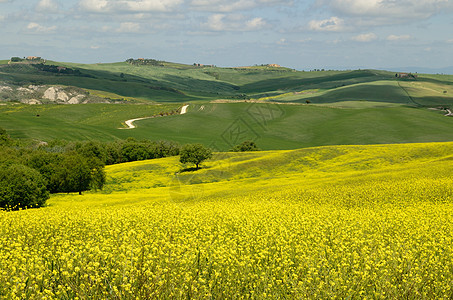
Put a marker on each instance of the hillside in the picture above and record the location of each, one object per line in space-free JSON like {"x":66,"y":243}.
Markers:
{"x":223,"y":125}
{"x":171,"y":82}
{"x":338,"y":221}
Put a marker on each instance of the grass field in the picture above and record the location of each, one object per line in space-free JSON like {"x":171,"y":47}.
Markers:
{"x":75,"y":122}
{"x":179,"y":83}
{"x":330,"y":222}
{"x":223,"y":125}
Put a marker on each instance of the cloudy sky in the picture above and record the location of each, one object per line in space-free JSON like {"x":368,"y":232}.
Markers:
{"x":301,"y":34}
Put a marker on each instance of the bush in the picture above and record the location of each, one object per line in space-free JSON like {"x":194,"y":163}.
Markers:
{"x":21,"y":186}
{"x":195,"y":154}
{"x":246,"y":146}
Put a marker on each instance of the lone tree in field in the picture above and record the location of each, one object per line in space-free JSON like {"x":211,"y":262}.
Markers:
{"x":195,"y":154}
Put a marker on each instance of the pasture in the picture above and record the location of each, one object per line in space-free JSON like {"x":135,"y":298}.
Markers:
{"x":223,"y":125}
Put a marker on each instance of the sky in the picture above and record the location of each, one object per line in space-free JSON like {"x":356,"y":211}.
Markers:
{"x":304,"y":35}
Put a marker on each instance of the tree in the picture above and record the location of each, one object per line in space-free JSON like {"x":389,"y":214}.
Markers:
{"x":48,"y":165}
{"x":195,"y":154}
{"x":21,"y":186}
{"x":246,"y":146}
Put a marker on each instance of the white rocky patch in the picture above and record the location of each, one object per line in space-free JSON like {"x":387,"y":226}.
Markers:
{"x":5,"y":88}
{"x":25,"y":90}
{"x":76,"y":100}
{"x":30,"y":101}
{"x":51,"y":94}
{"x":61,"y":95}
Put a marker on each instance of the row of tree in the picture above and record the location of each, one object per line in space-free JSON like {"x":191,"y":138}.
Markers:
{"x":29,"y":174}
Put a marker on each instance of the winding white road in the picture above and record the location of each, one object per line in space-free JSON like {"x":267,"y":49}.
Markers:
{"x":130,"y":123}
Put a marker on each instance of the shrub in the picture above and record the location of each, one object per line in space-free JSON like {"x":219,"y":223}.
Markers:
{"x":246,"y":146}
{"x":21,"y":186}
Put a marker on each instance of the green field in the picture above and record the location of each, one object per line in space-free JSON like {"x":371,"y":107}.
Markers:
{"x":223,"y":125}
{"x":331,"y":222}
{"x":345,"y":107}
{"x":178,"y":83}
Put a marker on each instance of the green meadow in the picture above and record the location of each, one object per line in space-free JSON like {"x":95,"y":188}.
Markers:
{"x":181,"y":83}
{"x":223,"y":125}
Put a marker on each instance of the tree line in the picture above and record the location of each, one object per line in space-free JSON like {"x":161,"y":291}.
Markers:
{"x":30,"y":173}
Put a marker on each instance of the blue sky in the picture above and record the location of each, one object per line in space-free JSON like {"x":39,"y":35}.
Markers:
{"x":298,"y":34}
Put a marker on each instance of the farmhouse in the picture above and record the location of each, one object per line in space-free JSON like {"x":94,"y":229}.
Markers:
{"x":405,"y":75}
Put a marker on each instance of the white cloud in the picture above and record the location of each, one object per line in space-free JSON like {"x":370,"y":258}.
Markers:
{"x":387,"y":11}
{"x":108,"y":6}
{"x":332,"y":24}
{"x":366,"y":37}
{"x":450,"y":41}
{"x":255,"y":24}
{"x":233,"y":22}
{"x":95,"y":47}
{"x":37,"y":28}
{"x":94,"y":5}
{"x":150,"y":5}
{"x":395,"y":38}
{"x":129,"y":27}
{"x":47,"y":5}
{"x":235,"y":5}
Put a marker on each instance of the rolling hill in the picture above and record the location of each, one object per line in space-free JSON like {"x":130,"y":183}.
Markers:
{"x":223,"y":125}
{"x":279,"y":108}
{"x":340,"y":221}
{"x":170,"y":82}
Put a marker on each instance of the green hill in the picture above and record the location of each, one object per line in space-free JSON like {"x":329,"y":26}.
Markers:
{"x":171,"y":82}
{"x":223,"y":125}
{"x":345,"y":107}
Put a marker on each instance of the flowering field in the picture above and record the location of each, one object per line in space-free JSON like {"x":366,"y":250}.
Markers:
{"x":332,"y":222}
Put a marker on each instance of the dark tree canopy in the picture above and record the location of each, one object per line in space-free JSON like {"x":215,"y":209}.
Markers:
{"x":21,"y":186}
{"x":246,"y":146}
{"x":195,"y":154}
{"x":74,"y":174}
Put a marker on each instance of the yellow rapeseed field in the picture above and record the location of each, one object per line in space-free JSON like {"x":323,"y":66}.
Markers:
{"x":346,"y":222}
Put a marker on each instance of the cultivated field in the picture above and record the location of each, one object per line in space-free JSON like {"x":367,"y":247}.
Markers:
{"x":328,"y":222}
{"x":223,"y":125}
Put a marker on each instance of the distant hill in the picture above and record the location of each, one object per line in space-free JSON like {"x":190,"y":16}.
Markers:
{"x":148,"y":80}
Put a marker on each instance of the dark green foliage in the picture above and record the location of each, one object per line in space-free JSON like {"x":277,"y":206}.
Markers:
{"x":60,"y":70}
{"x":246,"y":146}
{"x":145,"y":62}
{"x":89,"y":149}
{"x":48,"y":165}
{"x":4,"y":137}
{"x":73,"y":175}
{"x":21,"y":187}
{"x":76,"y":167}
{"x":133,"y":150}
{"x":195,"y":154}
